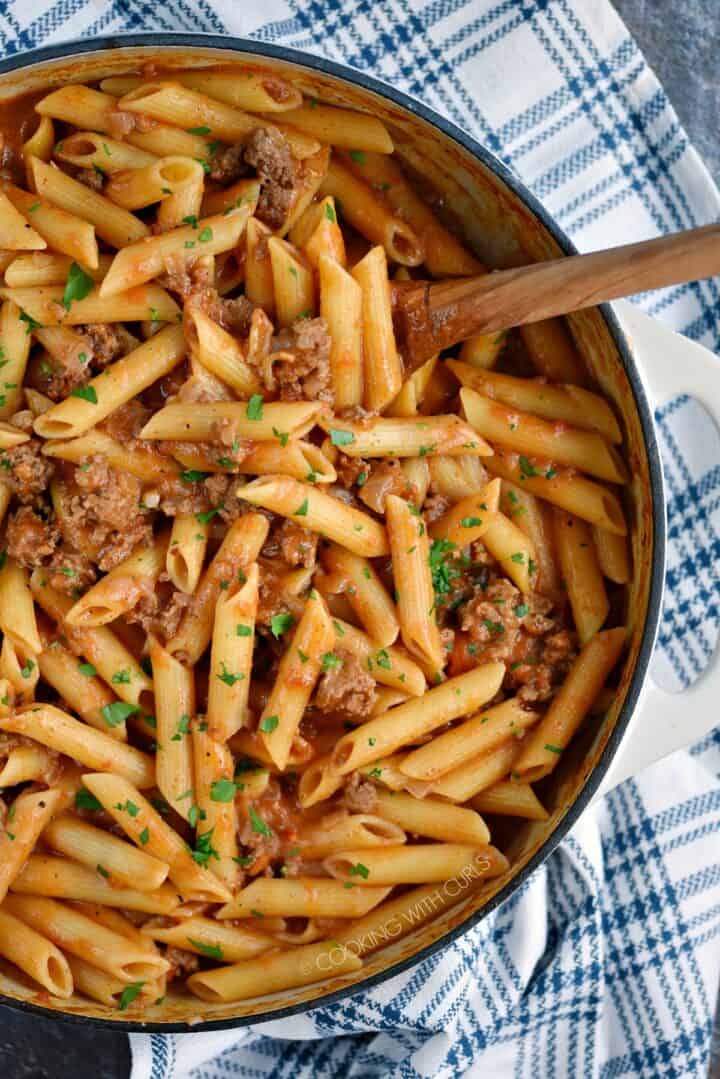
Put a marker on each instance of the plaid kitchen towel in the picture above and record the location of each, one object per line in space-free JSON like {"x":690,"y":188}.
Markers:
{"x":607,"y":961}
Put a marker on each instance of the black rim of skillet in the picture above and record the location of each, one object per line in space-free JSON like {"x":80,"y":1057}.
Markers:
{"x":377,"y":86}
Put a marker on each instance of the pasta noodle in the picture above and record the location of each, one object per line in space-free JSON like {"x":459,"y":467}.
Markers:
{"x":286,"y":629}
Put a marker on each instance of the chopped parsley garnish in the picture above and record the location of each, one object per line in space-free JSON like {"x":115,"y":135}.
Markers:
{"x":331,"y":661}
{"x":222,"y":790}
{"x":243,"y":631}
{"x":204,"y":849}
{"x":228,"y":677}
{"x":329,"y":213}
{"x":553,"y":749}
{"x":116,"y":713}
{"x":85,"y":800}
{"x":518,"y":557}
{"x":254,"y":408}
{"x":383,"y":659}
{"x":87,"y":393}
{"x":442,"y":566}
{"x":27,"y":670}
{"x":212,"y":951}
{"x":526,"y":469}
{"x":129,"y":994}
{"x":471,"y":522}
{"x":191,"y":219}
{"x":182,"y":728}
{"x":206,"y":235}
{"x":121,"y":678}
{"x":521,"y":610}
{"x":258,"y":825}
{"x":130,"y":808}
{"x":358,"y":156}
{"x":87,"y":669}
{"x":78,"y":285}
{"x":198,"y":130}
{"x":281,"y":623}
{"x":359,"y":870}
{"x":102,"y":871}
{"x":192,"y":475}
{"x":269,"y":724}
{"x":144,"y":836}
{"x":207,"y":515}
{"x":30,"y":322}
{"x":282,"y":435}
{"x":341,"y":438}
{"x":302,"y":510}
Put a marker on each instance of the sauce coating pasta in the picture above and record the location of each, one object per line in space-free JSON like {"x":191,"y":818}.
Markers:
{"x":279,"y":616}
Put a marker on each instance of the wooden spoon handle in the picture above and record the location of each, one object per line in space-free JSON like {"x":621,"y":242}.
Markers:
{"x":436,"y":315}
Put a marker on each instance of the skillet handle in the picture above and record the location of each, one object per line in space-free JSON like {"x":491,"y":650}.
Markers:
{"x":663,"y":722}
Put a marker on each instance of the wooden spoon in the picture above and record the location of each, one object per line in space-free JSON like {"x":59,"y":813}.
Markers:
{"x":431,"y":316}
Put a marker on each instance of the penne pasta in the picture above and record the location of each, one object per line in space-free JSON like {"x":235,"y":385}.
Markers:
{"x":14,"y":351}
{"x":270,"y":974}
{"x":293,"y":286}
{"x":568,"y":708}
{"x":366,"y":594}
{"x":81,"y":936}
{"x":581,"y":572}
{"x":311,"y":897}
{"x":62,"y":231}
{"x":367,"y":213}
{"x":307,"y":654}
{"x":524,"y":433}
{"x":252,"y":420}
{"x":410,"y":550}
{"x":590,"y":501}
{"x":115,"y":386}
{"x":233,"y":642}
{"x":237,"y":552}
{"x":470,"y":518}
{"x":215,"y":799}
{"x":186,"y":551}
{"x":35,"y":955}
{"x":432,"y":818}
{"x":320,"y":512}
{"x":383,"y":367}
{"x":480,"y":734}
{"x":424,"y":436}
{"x":44,"y":305}
{"x":509,"y":798}
{"x":174,"y":687}
{"x":513,"y":549}
{"x":139,"y":186}
{"x":408,"y":722}
{"x":112,"y":224}
{"x":94,"y":150}
{"x":341,"y":305}
{"x":139,"y":262}
{"x":444,"y":254}
{"x":27,"y":817}
{"x":208,"y":936}
{"x":59,"y":878}
{"x":221,"y":354}
{"x":52,"y":727}
{"x":111,"y":857}
{"x":552,"y":351}
{"x":144,"y":825}
{"x":416,"y":864}
{"x":118,"y":591}
{"x":565,"y":404}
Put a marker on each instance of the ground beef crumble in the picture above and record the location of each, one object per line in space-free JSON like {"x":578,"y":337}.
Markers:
{"x":160,"y":612}
{"x":105,"y":504}
{"x":26,"y":471}
{"x":268,"y":151}
{"x":347,"y":690}
{"x":523,"y":632}
{"x":302,"y":367}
